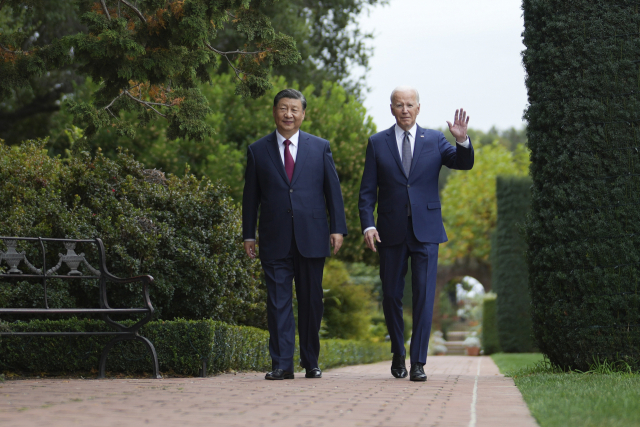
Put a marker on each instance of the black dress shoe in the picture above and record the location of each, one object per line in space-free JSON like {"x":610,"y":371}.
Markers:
{"x":313,"y":373}
{"x":417,"y":372}
{"x":398,"y":366}
{"x":279,"y":374}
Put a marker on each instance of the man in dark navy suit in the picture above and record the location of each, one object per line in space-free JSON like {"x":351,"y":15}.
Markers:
{"x":292,"y":180}
{"x":401,"y":174}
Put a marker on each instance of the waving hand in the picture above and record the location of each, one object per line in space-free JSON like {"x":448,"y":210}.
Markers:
{"x":459,"y":127}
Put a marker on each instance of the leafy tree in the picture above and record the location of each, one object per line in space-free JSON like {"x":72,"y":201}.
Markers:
{"x":147,"y":57}
{"x":326,"y":34}
{"x":328,"y":37}
{"x":27,"y":112}
{"x":469,"y":201}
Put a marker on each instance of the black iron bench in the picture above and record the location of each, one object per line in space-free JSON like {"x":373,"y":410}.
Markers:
{"x":73,"y":261}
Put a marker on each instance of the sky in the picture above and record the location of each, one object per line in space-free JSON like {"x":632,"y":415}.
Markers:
{"x":457,"y":53}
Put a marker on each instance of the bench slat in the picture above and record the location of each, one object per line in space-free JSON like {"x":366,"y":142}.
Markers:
{"x":73,"y":310}
{"x":40,"y":276}
{"x":55,"y":334}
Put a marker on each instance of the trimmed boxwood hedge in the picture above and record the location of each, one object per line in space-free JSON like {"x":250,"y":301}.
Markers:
{"x":509,"y":267}
{"x":582,"y":61}
{"x":181,"y":345}
{"x":490,"y":342}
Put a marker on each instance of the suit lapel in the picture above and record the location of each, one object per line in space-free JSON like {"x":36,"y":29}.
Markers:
{"x":274,"y":153}
{"x":301,"y":156}
{"x":393,"y":147}
{"x":419,"y":143}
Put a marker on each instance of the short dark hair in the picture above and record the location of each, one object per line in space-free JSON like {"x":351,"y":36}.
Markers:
{"x":291,"y":94}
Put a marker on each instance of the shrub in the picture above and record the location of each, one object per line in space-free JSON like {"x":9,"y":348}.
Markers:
{"x":182,"y":346}
{"x":490,"y":342}
{"x":185,"y":232}
{"x":584,"y":229}
{"x":347,"y":307}
{"x":510,"y":276}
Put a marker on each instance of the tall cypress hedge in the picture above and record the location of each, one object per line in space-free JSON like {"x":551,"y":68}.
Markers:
{"x":490,"y":341}
{"x":509,"y":268}
{"x":583,"y":79}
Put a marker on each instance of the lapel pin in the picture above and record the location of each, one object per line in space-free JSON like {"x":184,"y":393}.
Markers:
{"x":421,"y":136}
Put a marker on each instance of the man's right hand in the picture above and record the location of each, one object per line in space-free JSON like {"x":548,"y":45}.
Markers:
{"x":370,"y":237}
{"x":250,"y":248}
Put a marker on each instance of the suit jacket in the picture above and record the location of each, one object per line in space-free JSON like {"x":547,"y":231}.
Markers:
{"x":297,"y":208}
{"x":384,"y":181}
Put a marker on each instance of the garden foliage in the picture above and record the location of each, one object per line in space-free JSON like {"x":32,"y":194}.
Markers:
{"x":185,"y":232}
{"x":510,"y":277}
{"x":182,"y":346}
{"x":583,"y":79}
{"x":490,"y":340}
{"x":147,"y":56}
{"x":469,"y":201}
{"x":348,"y":307}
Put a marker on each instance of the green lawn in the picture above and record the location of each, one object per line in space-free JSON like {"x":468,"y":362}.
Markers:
{"x":573,"y":399}
{"x":508,"y":362}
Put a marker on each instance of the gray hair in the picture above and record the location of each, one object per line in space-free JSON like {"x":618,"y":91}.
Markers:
{"x":405,"y":89}
{"x":291,"y":94}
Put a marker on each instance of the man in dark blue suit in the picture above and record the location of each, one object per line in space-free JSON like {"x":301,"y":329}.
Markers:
{"x":292,"y":180}
{"x":401,"y":174}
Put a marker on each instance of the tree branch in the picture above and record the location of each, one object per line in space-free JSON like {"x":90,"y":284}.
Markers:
{"x":2,"y":4}
{"x":233,"y":52}
{"x":236,"y":70}
{"x":13,"y":51}
{"x":112,"y":101}
{"x":132,"y":7}
{"x":106,"y":11}
{"x":148,"y":104}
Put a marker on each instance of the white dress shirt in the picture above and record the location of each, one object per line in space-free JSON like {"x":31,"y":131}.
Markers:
{"x":293,"y":149}
{"x":400,"y":138}
{"x":412,"y":141}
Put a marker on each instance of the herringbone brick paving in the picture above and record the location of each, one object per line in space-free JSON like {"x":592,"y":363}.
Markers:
{"x":364,"y":395}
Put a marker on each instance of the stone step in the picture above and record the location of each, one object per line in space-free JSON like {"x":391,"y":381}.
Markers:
{"x":455,"y":347}
{"x":458,"y":335}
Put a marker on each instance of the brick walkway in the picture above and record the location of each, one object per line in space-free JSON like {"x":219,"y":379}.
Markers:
{"x":364,"y":395}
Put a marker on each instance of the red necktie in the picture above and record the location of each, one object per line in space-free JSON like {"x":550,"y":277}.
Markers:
{"x":288,"y":160}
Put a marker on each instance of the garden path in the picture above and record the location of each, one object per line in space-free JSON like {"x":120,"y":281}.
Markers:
{"x":460,"y":391}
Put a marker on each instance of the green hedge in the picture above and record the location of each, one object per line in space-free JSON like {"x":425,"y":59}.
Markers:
{"x":490,"y":342}
{"x":582,"y":64}
{"x":510,"y":277}
{"x":181,"y":345}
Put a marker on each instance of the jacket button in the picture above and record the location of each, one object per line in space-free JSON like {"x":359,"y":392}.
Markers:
{"x":408,"y":186}
{"x":291,"y":190}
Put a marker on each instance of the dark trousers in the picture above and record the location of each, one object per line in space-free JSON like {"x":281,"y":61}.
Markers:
{"x":279,"y":275}
{"x":393,"y":269}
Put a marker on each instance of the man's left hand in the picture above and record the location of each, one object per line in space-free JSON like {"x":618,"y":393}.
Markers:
{"x":459,"y":127}
{"x":336,"y":242}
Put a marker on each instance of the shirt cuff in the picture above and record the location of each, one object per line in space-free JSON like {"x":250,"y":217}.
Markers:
{"x":465,"y":143}
{"x":367,"y":229}
{"x":249,"y":240}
